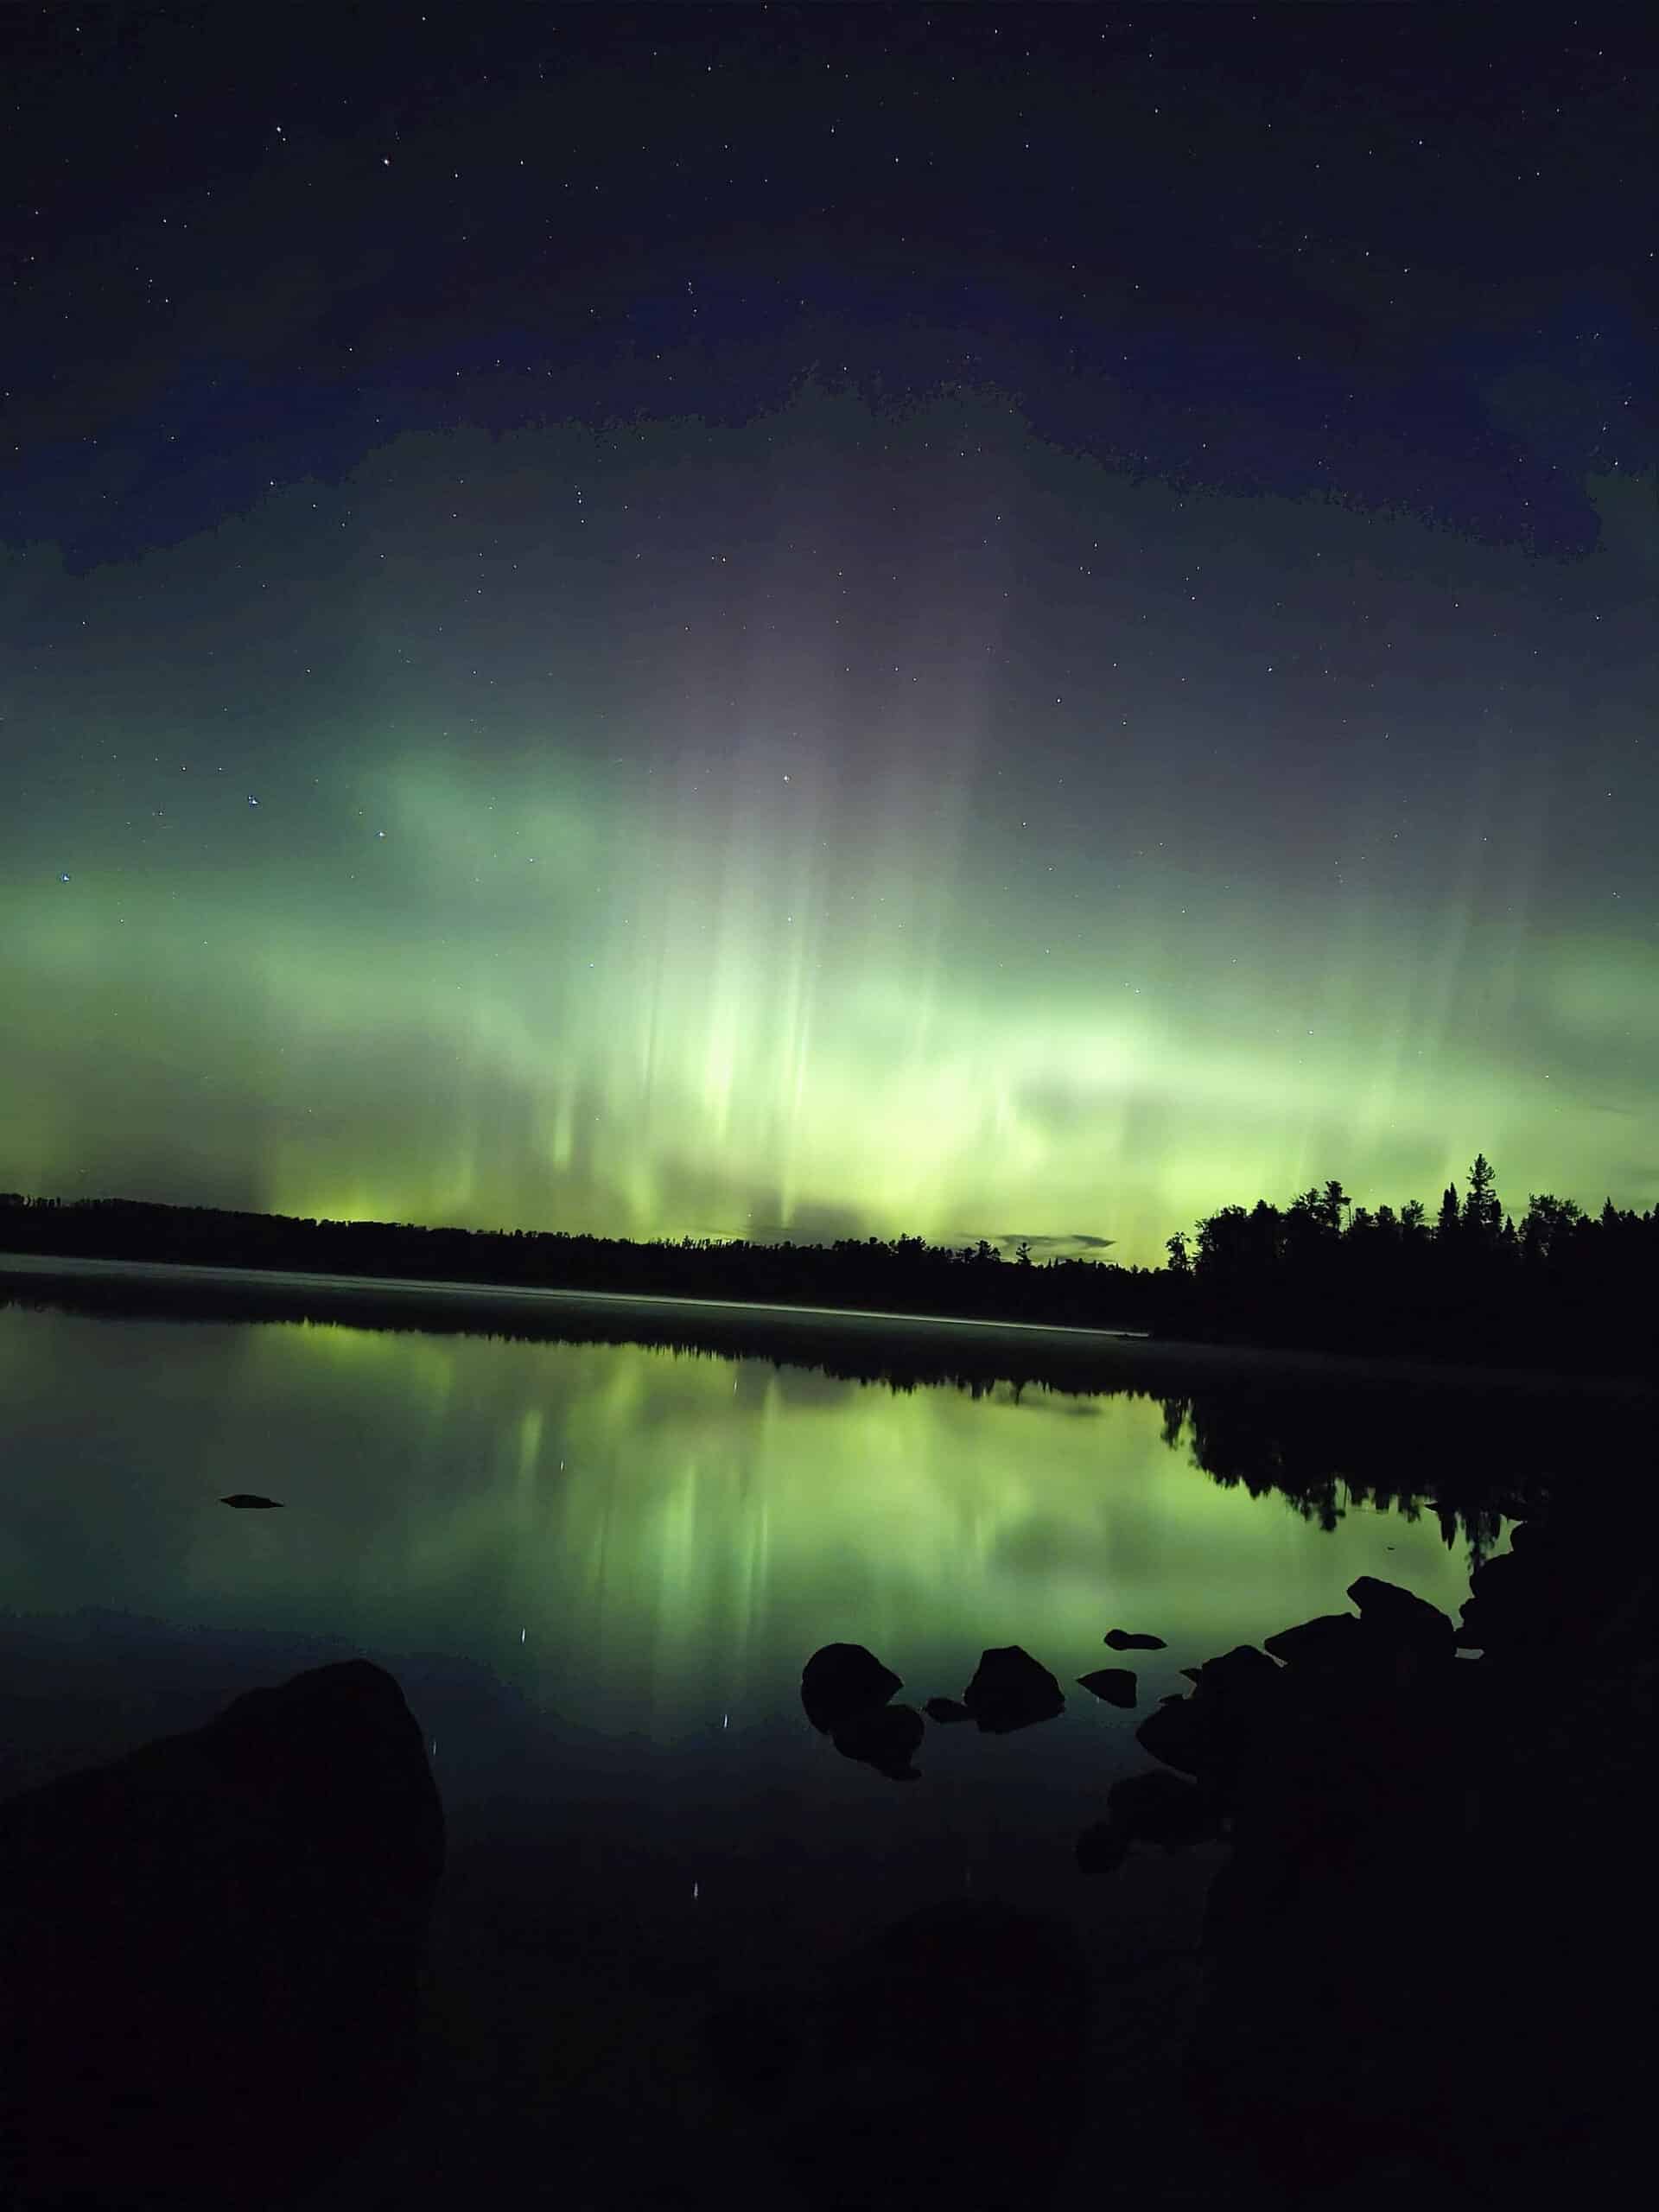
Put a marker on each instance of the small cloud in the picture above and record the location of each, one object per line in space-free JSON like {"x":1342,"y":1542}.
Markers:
{"x":1067,"y":1246}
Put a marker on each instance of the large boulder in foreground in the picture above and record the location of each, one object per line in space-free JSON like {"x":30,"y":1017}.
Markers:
{"x":212,"y":1951}
{"x":1011,"y":1690}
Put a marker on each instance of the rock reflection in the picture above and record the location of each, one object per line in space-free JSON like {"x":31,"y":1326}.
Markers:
{"x":845,"y":1692}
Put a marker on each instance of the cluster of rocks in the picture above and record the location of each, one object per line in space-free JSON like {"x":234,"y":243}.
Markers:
{"x":1433,"y":1889}
{"x":847,"y":1694}
{"x":846,"y":1691}
{"x":1423,"y":1945}
{"x":1217,"y":1735}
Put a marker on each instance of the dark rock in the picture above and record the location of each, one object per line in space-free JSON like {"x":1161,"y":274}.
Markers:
{"x":1240,"y":1679}
{"x":247,"y":1497}
{"x":1213,"y":1732}
{"x":884,"y":1736}
{"x":945,"y":1710}
{"x":1180,"y":1735}
{"x":1159,"y":1808}
{"x":1102,"y":1847}
{"x":1517,"y":1507}
{"x":1330,"y":1639}
{"x":1407,"y":1621}
{"x":1010,"y":1690}
{"x":1510,"y":1602}
{"x":213,"y":1952}
{"x":1124,"y":1639}
{"x":841,"y":1681}
{"x":1353,"y":2010}
{"x":1114,"y":1684}
{"x":1493,"y":1577}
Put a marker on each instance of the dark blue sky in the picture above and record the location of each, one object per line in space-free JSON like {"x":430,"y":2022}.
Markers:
{"x":1401,"y":254}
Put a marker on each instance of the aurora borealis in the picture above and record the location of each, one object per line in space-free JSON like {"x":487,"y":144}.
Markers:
{"x":578,"y":654}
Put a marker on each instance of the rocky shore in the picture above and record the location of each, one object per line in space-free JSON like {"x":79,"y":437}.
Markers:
{"x":1426,"y":1951}
{"x":1433,"y":1941}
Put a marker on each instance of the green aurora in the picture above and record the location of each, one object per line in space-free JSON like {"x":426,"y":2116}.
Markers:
{"x":773,"y":894}
{"x":708,"y":623}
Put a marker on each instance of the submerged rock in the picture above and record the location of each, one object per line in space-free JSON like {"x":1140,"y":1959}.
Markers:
{"x":946,"y":1710}
{"x":248,"y":1497}
{"x":1159,"y":1808}
{"x":1114,"y":1684}
{"x":1150,"y":1808}
{"x":1010,"y":1690}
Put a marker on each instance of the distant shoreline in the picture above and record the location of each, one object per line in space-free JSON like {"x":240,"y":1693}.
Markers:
{"x":532,"y":1296}
{"x":1565,"y":1295}
{"x":1066,"y":1357}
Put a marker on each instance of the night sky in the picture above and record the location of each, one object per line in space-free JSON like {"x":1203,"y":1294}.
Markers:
{"x":821,"y":622}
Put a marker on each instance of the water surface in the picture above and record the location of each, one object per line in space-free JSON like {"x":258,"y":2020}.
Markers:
{"x":598,"y":1568}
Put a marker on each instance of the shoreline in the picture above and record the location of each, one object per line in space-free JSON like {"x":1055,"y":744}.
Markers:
{"x":743,"y":1327}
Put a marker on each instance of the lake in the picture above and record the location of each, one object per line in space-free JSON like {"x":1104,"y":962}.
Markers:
{"x":598,"y":1567}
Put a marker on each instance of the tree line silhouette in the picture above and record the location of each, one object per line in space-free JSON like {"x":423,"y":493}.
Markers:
{"x":1564,"y":1288}
{"x":904,"y":1274}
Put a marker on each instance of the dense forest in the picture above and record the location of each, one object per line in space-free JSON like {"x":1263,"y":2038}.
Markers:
{"x":1564,"y":1286}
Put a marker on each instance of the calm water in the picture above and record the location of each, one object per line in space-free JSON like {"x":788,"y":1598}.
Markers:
{"x":598,"y":1569}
